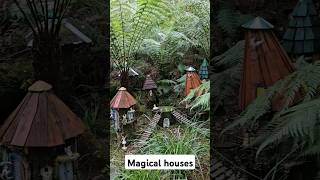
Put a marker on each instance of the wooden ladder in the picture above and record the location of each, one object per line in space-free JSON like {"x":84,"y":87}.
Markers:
{"x":145,"y":136}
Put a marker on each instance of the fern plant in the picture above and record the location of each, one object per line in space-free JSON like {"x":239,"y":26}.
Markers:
{"x":131,"y":22}
{"x":202,"y":102}
{"x":226,"y":82}
{"x":296,"y":125}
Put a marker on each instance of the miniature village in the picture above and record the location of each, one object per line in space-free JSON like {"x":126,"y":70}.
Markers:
{"x":160,"y":88}
{"x":265,"y":96}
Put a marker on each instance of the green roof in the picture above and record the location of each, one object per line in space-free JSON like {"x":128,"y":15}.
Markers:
{"x":302,"y":35}
{"x":203,"y":72}
{"x":258,"y":23}
{"x":304,"y":8}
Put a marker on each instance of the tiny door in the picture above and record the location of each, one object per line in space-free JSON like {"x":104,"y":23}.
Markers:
{"x":166,"y":122}
{"x":66,"y":171}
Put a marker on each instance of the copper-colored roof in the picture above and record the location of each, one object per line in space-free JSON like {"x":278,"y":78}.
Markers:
{"x":122,"y":100}
{"x":149,"y":84}
{"x":265,"y":62}
{"x":40,"y":120}
{"x":192,"y":81}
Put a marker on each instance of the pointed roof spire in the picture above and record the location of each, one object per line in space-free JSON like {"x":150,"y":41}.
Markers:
{"x":258,"y":23}
{"x":203,"y":72}
{"x":190,"y":69}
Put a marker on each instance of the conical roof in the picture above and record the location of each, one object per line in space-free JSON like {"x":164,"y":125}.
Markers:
{"x":149,"y":84}
{"x":303,"y":31}
{"x":258,"y":23}
{"x":190,"y":69}
{"x":265,"y":62}
{"x":304,"y":8}
{"x":40,"y":120}
{"x":192,"y":81}
{"x":203,"y":72}
{"x":122,"y":100}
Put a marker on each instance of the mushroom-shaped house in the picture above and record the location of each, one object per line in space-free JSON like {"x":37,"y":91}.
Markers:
{"x":265,"y":61}
{"x":40,"y":132}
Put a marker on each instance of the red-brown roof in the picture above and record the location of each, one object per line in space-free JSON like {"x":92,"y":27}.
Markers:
{"x":265,"y":62}
{"x":149,"y":84}
{"x":122,"y":100}
{"x":192,"y":81}
{"x":40,"y":120}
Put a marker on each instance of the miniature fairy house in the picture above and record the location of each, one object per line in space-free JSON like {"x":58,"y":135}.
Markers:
{"x":203,"y":72}
{"x":122,"y":108}
{"x":265,"y":61}
{"x":40,"y":136}
{"x":150,"y":87}
{"x":192,"y":80}
{"x":303,"y":33}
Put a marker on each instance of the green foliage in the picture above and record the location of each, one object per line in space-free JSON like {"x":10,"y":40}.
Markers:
{"x":186,"y":30}
{"x":229,"y":19}
{"x":131,"y":22}
{"x":202,"y":102}
{"x":14,"y":77}
{"x":171,"y":87}
{"x":91,"y":108}
{"x":142,"y":174}
{"x":226,"y":82}
{"x":295,"y":126}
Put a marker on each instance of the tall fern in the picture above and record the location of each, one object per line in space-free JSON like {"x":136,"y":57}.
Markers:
{"x":226,"y":82}
{"x":293,"y":124}
{"x":202,"y":102}
{"x":131,"y":22}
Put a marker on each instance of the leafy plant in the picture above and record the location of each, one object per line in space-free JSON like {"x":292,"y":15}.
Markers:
{"x":131,"y":22}
{"x":226,"y":81}
{"x":202,"y":102}
{"x":295,"y":127}
{"x":229,"y":19}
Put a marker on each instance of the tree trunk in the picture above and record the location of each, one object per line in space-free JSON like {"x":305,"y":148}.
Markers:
{"x":46,"y":61}
{"x":124,"y":79}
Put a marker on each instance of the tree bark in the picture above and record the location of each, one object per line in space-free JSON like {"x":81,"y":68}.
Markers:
{"x":47,"y":58}
{"x":124,"y":79}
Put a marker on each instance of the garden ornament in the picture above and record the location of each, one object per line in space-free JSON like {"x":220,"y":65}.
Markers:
{"x":46,"y":173}
{"x":155,"y":108}
{"x":124,"y":118}
{"x":131,"y":114}
{"x":124,"y":142}
{"x":68,"y":151}
{"x":5,"y":173}
{"x":166,"y":122}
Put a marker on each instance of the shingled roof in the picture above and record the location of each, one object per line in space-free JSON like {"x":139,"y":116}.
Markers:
{"x":303,"y":32}
{"x":40,"y":120}
{"x":122,"y":100}
{"x":149,"y":84}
